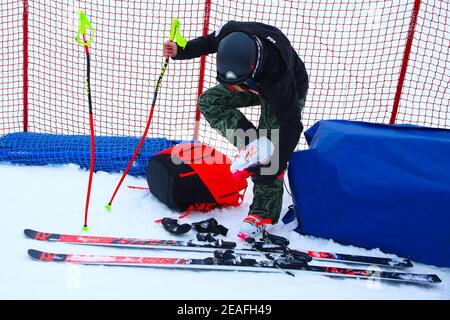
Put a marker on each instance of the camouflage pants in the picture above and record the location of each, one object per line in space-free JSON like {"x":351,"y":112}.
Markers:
{"x":219,"y":106}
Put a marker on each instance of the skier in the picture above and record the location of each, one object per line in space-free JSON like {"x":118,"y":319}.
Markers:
{"x":256,"y":65}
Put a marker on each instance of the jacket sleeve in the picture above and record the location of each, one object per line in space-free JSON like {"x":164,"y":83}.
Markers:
{"x":283,"y":99}
{"x":301,"y":76}
{"x":284,"y":103}
{"x":198,"y":47}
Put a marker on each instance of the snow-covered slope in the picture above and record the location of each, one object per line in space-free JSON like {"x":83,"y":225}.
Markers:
{"x":52,"y":199}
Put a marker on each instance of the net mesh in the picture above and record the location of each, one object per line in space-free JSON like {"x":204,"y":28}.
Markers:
{"x":11,"y":61}
{"x":426,"y":94}
{"x":353,"y":52}
{"x":111,"y":153}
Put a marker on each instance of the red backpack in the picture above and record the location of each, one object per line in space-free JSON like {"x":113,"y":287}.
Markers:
{"x":193,"y":176}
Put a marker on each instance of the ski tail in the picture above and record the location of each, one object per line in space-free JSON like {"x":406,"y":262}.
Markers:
{"x":376,"y":275}
{"x":368,"y":260}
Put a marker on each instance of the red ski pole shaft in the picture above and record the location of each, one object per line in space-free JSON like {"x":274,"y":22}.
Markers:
{"x":144,"y":136}
{"x":173,"y":33}
{"x":92,"y":134}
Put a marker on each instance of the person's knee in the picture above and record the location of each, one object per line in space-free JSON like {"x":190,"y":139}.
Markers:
{"x":212,"y":99}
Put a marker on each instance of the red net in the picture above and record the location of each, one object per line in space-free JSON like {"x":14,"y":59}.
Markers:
{"x":11,"y":61}
{"x":353,"y":51}
{"x":426,"y":95}
{"x":125,"y":63}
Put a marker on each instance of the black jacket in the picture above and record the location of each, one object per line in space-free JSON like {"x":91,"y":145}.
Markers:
{"x":283,"y":80}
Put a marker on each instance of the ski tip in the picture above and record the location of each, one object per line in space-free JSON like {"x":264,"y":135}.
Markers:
{"x":35,"y":254}
{"x":47,"y":256}
{"x":29,"y":233}
{"x":108,"y":207}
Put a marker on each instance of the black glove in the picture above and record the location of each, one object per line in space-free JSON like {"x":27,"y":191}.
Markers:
{"x":174,"y":227}
{"x":210,"y":226}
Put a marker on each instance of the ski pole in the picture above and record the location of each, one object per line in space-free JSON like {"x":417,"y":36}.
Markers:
{"x":84,"y":24}
{"x":174,"y":33}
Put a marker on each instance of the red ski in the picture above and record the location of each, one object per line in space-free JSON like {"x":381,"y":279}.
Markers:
{"x":235,"y":263}
{"x":194,"y":245}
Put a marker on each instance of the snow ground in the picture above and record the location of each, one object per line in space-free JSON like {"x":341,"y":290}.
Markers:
{"x":52,"y":199}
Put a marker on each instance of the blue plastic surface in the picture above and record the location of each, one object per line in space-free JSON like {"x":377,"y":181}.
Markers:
{"x":376,"y":186}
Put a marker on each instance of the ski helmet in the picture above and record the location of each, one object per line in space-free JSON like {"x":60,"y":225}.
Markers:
{"x":237,"y":58}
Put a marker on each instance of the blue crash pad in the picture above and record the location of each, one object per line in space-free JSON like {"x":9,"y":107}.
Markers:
{"x":376,"y":186}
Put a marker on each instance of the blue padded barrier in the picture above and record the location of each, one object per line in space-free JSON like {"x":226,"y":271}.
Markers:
{"x":112,"y":153}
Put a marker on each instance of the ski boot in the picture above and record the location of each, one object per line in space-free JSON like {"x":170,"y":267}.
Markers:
{"x":253,"y":227}
{"x":258,"y":152}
